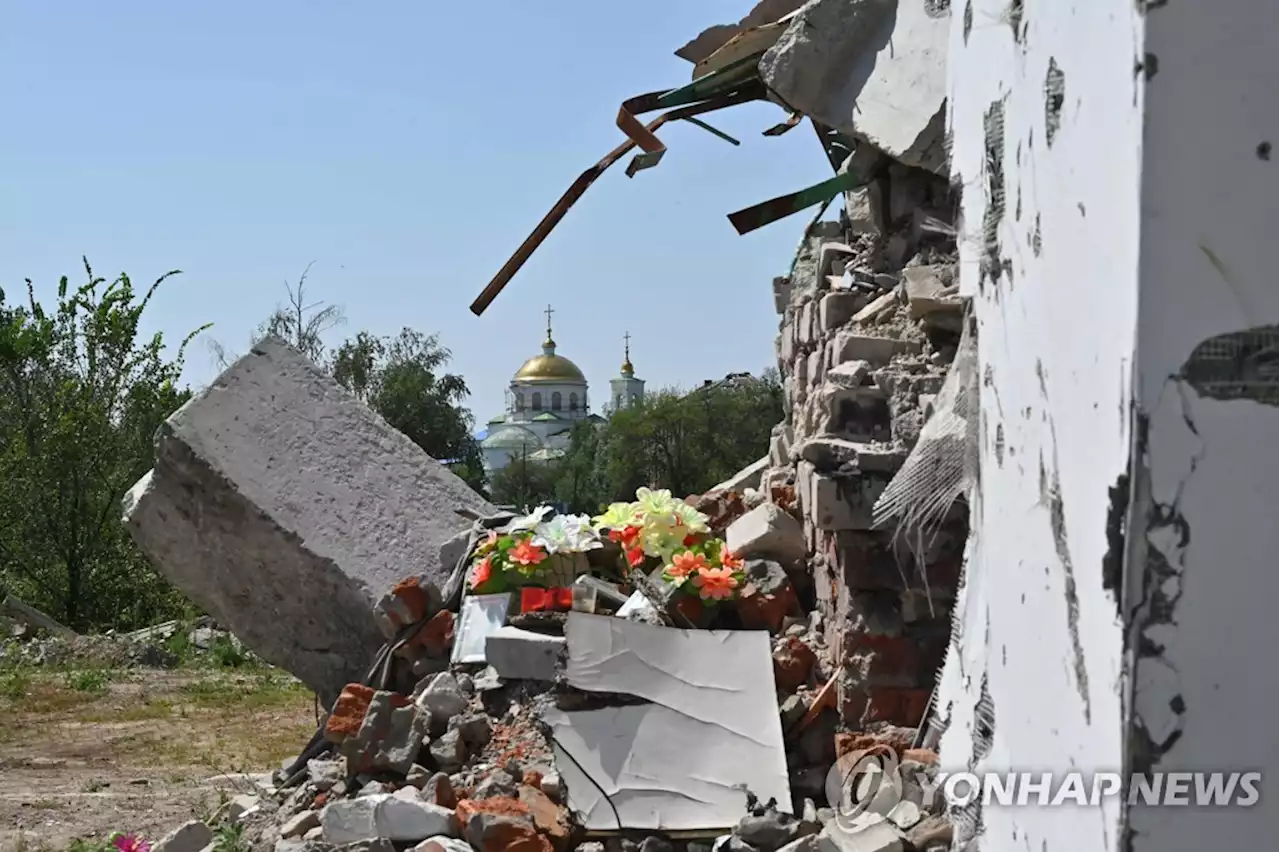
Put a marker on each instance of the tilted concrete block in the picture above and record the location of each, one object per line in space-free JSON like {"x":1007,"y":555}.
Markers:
{"x":766,"y":531}
{"x":875,"y":69}
{"x":285,"y":508}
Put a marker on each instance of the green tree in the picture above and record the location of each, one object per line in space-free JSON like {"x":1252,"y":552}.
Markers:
{"x":81,"y":396}
{"x":683,"y":441}
{"x":403,"y":379}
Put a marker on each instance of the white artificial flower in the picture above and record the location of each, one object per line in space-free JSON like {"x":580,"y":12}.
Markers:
{"x":566,"y":534}
{"x":529,"y":521}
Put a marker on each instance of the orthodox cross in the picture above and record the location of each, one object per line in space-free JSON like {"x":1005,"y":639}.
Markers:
{"x":626,"y":344}
{"x":549,"y":312}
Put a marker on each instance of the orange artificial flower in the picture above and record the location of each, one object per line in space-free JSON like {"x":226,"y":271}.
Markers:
{"x":687,"y":563}
{"x":715,"y":583}
{"x":728,"y":560}
{"x":626,"y":536}
{"x":483,"y":571}
{"x":527,"y":553}
{"x":635,"y":556}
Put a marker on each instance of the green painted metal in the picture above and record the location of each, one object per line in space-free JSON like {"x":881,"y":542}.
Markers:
{"x":757,"y":216}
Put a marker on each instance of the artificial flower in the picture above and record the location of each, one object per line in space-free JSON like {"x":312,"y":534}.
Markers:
{"x":617,"y":516}
{"x":529,"y":521}
{"x":687,"y":563}
{"x":627,"y":536}
{"x":527,"y":554}
{"x":635,"y":556}
{"x":691,"y":518}
{"x":658,"y":502}
{"x":490,"y":542}
{"x":728,"y":560}
{"x":715,"y":583}
{"x":482,"y":573}
{"x":566,"y":534}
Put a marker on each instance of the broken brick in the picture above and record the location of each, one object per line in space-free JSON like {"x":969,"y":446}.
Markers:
{"x":414,"y":598}
{"x":548,"y":817}
{"x":436,"y":636}
{"x":896,"y":705}
{"x":348,"y":712}
{"x":792,"y":662}
{"x":765,"y":611}
{"x":926,"y":756}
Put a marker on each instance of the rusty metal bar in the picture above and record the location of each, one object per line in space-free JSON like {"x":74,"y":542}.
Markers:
{"x":579,"y":186}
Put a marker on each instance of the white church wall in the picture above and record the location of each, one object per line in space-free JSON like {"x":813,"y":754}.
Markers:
{"x":1045,"y":121}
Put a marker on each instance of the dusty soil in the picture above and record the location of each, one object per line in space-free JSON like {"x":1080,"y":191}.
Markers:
{"x":86,"y":753}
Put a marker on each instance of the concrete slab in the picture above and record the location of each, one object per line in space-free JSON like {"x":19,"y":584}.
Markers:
{"x":285,"y":508}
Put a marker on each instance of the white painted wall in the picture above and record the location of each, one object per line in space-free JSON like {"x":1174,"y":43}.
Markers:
{"x":1208,"y":267}
{"x":1056,"y":341}
{"x":1169,"y":166}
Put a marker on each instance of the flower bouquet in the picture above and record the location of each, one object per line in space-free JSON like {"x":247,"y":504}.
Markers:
{"x":662,"y":531}
{"x":533,"y":553}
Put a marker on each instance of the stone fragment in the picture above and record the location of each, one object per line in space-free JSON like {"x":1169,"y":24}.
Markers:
{"x":475,"y":728}
{"x":848,"y":346}
{"x":768,"y":831}
{"x":548,"y":817}
{"x":553,"y":786}
{"x":524,"y":655}
{"x":836,"y":309}
{"x":438,"y":790}
{"x":300,"y":824}
{"x":499,"y":785}
{"x":930,"y":833}
{"x":748,"y":477}
{"x":448,"y":751}
{"x":436,"y":636}
{"x":766,"y":531}
{"x":242,"y":806}
{"x":864,"y":209}
{"x":864,"y":832}
{"x":189,"y":837}
{"x":398,"y":819}
{"x":842,"y":502}
{"x":324,"y":774}
{"x":284,"y":507}
{"x":849,"y":374}
{"x":791,"y":710}
{"x":389,"y":737}
{"x":443,"y":697}
{"x":904,"y":814}
{"x":440,"y":843}
{"x":494,"y":825}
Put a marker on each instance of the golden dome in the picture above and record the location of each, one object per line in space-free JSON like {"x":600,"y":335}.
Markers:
{"x":550,"y":368}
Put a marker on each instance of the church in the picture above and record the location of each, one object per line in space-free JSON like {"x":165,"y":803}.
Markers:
{"x":545,"y":398}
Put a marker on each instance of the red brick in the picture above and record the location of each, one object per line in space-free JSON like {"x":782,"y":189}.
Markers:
{"x":436,"y":636}
{"x":927,"y":756}
{"x":348,"y":712}
{"x":467,"y":808}
{"x":899,"y":706}
{"x":548,"y":817}
{"x":760,"y":611}
{"x":414,"y":597}
{"x":508,"y":836}
{"x":792,"y":662}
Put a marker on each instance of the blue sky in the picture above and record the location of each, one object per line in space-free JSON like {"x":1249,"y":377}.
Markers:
{"x":407,"y":148}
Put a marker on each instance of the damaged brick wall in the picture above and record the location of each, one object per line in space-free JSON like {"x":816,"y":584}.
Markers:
{"x":870,"y":324}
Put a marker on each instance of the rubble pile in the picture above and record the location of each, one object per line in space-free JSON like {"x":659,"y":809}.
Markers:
{"x":871,"y":321}
{"x":161,"y":646}
{"x":611,"y":709}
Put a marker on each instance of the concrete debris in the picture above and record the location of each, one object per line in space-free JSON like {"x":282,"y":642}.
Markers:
{"x":192,"y":836}
{"x":283,"y":507}
{"x":748,"y":477}
{"x":385,"y":816}
{"x":872,"y":69}
{"x":523,"y":654}
{"x":766,"y":531}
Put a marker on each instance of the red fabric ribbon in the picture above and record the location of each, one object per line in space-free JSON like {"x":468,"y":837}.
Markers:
{"x":534,"y":599}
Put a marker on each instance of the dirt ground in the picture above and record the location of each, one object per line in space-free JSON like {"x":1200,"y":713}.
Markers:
{"x":86,"y":753}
